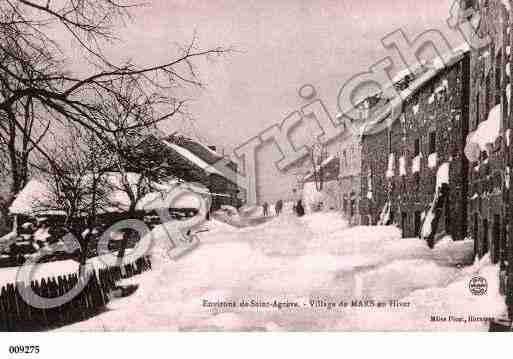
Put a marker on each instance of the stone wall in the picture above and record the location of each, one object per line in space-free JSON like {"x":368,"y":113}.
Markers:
{"x":373,"y":184}
{"x":431,"y":130}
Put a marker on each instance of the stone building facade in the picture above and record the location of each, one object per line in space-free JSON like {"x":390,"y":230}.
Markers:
{"x":373,"y":184}
{"x":414,"y":171}
{"x":340,"y":189}
{"x":441,"y":160}
{"x":350,"y":156}
{"x":488,"y":144}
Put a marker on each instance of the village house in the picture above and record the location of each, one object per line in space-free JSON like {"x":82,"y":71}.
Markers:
{"x":351,"y":175}
{"x":321,"y":187}
{"x":414,"y":172}
{"x":350,"y":180}
{"x":488,"y":143}
{"x":191,"y":161}
{"x":438,"y":159}
{"x":335,"y":184}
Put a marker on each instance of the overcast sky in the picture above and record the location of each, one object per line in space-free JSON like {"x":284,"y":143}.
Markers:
{"x":282,"y":45}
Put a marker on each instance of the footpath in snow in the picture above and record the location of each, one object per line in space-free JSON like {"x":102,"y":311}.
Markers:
{"x":294,"y":261}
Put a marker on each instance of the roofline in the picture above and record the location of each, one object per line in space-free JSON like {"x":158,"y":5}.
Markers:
{"x":407,"y":93}
{"x":324,"y":164}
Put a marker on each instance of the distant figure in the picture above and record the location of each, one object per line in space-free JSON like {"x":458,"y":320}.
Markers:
{"x":300,"y":210}
{"x":278,"y":207}
{"x":265,"y":206}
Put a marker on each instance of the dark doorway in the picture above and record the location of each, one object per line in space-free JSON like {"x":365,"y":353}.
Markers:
{"x":485,"y":237}
{"x":475,"y":234}
{"x":404,"y":221}
{"x":417,"y":223}
{"x":496,"y":238}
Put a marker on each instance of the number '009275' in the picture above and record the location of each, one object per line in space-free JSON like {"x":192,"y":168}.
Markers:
{"x":23,"y":349}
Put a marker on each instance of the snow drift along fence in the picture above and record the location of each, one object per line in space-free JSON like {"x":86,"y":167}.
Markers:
{"x":17,"y":315}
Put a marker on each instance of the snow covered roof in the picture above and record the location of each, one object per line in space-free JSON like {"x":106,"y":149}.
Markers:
{"x":402,"y":74}
{"x":393,"y":109}
{"x":208,"y":149}
{"x":37,"y":197}
{"x":329,"y":161}
{"x":156,"y":200}
{"x":195,"y":146}
{"x":196,"y":160}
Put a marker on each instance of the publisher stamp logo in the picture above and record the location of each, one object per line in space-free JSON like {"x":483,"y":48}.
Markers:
{"x":478,"y":285}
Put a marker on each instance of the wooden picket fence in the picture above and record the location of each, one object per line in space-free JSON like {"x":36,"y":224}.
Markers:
{"x":17,"y":315}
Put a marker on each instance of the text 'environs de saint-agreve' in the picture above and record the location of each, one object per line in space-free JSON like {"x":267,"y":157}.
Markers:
{"x":312,"y":303}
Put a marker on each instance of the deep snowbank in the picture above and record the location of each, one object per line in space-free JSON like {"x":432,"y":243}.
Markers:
{"x":296,"y":260}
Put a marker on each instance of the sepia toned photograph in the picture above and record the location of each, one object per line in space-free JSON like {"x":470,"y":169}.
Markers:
{"x":255,"y":166}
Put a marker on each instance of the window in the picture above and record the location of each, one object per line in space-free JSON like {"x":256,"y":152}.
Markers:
{"x":477,"y":110}
{"x":484,"y":156}
{"x":344,"y":154}
{"x":432,"y":142}
{"x":448,"y":222}
{"x":415,"y":100}
{"x":416,"y":177}
{"x":369,"y":184}
{"x":496,"y":238}
{"x":476,"y":233}
{"x":417,"y":147}
{"x":468,"y":4}
{"x":485,"y":247}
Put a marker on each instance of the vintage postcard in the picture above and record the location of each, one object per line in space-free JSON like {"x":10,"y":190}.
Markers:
{"x":255,"y":166}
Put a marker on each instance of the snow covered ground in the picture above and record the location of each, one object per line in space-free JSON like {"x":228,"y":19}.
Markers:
{"x":296,"y":260}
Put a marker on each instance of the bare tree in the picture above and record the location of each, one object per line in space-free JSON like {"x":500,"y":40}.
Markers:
{"x":76,"y":183}
{"x":34,"y":74}
{"x":129,"y":119}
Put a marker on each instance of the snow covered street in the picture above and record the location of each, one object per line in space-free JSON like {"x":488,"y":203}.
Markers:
{"x":298,"y":262}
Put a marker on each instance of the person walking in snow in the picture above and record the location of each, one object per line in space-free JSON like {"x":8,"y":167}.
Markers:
{"x":265,"y":206}
{"x":266,"y":209}
{"x":278,"y":207}
{"x":300,"y":210}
